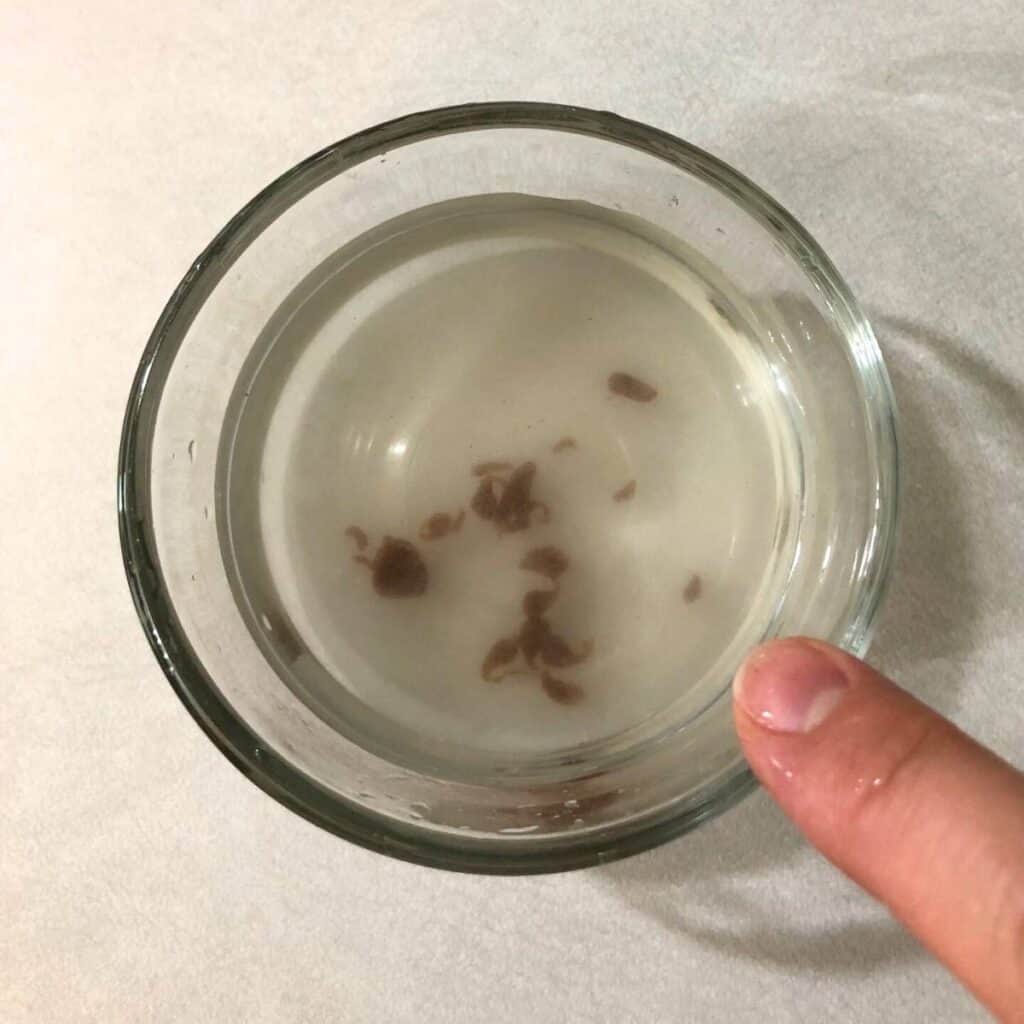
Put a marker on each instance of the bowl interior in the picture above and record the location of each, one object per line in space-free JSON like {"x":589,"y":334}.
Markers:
{"x":473,"y":286}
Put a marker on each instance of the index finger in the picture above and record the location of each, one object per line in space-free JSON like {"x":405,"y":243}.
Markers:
{"x":910,"y":807}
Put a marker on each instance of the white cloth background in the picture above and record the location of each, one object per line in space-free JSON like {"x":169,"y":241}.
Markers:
{"x":142,"y":877}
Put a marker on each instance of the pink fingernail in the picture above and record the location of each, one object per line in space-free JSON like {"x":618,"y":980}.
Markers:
{"x":789,"y":686}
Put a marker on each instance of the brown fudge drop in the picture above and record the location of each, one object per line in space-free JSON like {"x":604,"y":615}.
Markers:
{"x":560,"y":691}
{"x":398,"y":570}
{"x":485,"y":502}
{"x":501,"y":654}
{"x":548,"y":561}
{"x":631,"y":387}
{"x":537,"y":602}
{"x":491,"y":468}
{"x":440,"y":524}
{"x":532,"y":635}
{"x":693,"y":589}
{"x":359,"y":536}
{"x":554,"y":651}
{"x":515,"y":504}
{"x":625,"y":492}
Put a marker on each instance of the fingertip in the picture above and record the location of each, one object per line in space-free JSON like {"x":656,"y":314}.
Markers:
{"x":787,"y":686}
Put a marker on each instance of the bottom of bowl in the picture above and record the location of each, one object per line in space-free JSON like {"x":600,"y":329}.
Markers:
{"x":509,"y":487}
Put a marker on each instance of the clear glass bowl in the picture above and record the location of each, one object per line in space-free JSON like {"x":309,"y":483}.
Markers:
{"x":229,"y":661}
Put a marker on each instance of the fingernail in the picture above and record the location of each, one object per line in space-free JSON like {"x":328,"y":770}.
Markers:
{"x":789,"y":686}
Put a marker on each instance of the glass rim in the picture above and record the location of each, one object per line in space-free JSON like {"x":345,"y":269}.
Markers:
{"x":168,"y":640}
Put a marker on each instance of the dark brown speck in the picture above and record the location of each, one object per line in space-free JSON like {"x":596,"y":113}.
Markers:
{"x":693,"y":589}
{"x":502,"y":653}
{"x":625,"y":492}
{"x":560,"y":691}
{"x":537,"y":602}
{"x":491,"y":468}
{"x":554,"y":651}
{"x":515,"y":506}
{"x":359,"y":536}
{"x":532,"y":635}
{"x":564,"y":445}
{"x":440,"y":524}
{"x":631,"y":387}
{"x":485,"y":502}
{"x":548,"y":561}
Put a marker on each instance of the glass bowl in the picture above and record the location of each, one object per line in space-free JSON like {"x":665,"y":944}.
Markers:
{"x":223,"y":604}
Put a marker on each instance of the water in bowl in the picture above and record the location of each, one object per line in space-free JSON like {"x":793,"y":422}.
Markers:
{"x":507,"y":478}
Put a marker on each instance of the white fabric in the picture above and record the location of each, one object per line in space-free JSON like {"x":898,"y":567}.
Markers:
{"x":143,"y":878}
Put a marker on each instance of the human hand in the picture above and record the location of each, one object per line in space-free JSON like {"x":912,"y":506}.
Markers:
{"x":911,"y":808}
